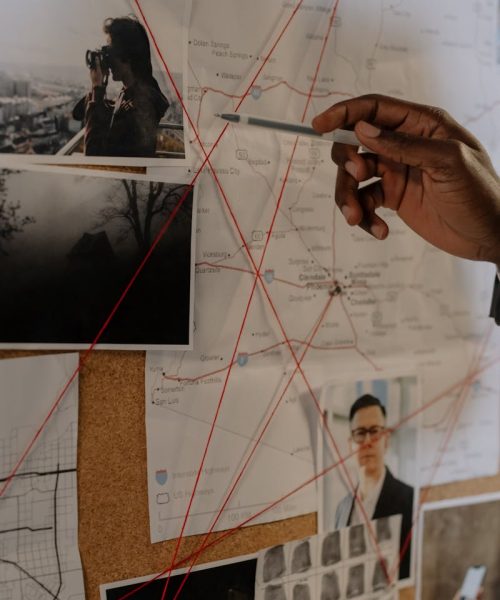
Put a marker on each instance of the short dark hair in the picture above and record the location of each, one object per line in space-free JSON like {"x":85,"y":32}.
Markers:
{"x":365,"y":401}
{"x":131,"y":44}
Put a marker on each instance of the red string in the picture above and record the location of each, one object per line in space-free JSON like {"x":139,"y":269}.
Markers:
{"x":257,"y":269}
{"x":202,"y":546}
{"x":256,"y":278}
{"x":298,"y":366}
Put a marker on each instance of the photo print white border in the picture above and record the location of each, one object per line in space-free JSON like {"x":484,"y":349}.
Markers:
{"x":172,"y":41}
{"x":174,"y":175}
{"x":352,"y":386}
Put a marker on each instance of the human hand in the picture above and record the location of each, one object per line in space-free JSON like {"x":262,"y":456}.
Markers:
{"x":432,"y":171}
{"x":96,"y":73}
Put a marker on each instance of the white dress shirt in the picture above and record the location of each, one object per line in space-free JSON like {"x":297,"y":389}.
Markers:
{"x":369,"y":503}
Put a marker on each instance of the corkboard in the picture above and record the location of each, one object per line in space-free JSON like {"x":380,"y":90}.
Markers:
{"x":112,"y":485}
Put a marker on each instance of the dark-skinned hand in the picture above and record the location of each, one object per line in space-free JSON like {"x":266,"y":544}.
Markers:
{"x":431,"y":170}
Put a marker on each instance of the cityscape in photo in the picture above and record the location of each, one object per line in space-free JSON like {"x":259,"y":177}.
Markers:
{"x":36,"y":106}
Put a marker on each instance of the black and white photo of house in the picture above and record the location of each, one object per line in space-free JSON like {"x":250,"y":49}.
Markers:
{"x":70,"y":244}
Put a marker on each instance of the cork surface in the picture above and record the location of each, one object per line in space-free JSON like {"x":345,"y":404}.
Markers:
{"x":112,"y":484}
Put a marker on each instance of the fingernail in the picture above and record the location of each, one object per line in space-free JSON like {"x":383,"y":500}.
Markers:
{"x":316,"y":122}
{"x":351,"y":168}
{"x":378,"y":231}
{"x":368,"y":129}
{"x":347,"y":212}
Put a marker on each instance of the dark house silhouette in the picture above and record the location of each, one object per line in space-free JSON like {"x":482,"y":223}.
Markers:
{"x":92,"y":247}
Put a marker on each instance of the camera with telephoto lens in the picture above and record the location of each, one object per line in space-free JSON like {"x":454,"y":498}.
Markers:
{"x":104,"y":55}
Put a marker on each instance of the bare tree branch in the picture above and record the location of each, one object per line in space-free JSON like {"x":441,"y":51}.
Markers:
{"x":11,"y":223}
{"x":139,"y":206}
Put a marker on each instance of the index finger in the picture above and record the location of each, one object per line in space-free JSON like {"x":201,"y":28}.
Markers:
{"x":374,"y":108}
{"x":395,"y":114}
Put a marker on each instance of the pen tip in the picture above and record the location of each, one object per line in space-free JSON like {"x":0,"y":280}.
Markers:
{"x":217,"y":115}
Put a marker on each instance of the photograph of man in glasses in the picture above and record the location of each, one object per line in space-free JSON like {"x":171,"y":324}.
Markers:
{"x":380,"y":493}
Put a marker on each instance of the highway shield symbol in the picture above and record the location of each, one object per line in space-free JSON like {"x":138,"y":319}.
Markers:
{"x":162,"y":476}
{"x":242,"y":358}
{"x":269,"y":275}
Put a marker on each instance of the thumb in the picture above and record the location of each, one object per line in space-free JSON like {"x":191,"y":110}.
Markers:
{"x":413,"y":150}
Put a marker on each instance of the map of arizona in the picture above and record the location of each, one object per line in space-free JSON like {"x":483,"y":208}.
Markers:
{"x":287,"y":296}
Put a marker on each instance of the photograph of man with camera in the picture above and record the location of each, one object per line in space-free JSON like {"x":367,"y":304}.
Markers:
{"x":128,"y":125}
{"x":88,"y":87}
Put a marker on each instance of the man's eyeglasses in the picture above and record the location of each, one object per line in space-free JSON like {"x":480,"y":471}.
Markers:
{"x":375,"y":432}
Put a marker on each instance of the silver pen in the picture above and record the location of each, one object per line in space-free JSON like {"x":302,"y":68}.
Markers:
{"x":342,"y":136}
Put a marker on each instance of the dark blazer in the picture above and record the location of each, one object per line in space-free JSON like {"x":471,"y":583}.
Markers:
{"x":495,"y":303}
{"x":396,"y":498}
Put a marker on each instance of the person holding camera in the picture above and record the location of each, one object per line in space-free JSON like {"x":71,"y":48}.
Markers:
{"x":127,"y":126}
